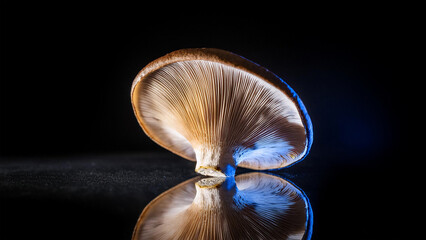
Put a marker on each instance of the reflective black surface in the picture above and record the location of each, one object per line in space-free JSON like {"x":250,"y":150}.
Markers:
{"x":101,"y":197}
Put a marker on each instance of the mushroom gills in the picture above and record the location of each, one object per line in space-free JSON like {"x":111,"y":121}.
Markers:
{"x":221,"y":116}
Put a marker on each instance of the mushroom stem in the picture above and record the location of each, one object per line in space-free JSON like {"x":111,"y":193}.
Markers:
{"x":215,"y":161}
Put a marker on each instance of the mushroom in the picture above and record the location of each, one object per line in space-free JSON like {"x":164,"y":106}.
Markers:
{"x":251,"y":206}
{"x":221,"y":110}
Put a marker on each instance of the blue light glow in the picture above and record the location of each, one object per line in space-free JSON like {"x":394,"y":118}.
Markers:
{"x":304,"y":113}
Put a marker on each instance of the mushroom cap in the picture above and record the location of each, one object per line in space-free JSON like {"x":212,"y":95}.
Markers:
{"x":251,"y":206}
{"x":192,"y":99}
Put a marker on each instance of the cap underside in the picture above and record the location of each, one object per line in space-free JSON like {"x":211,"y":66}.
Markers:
{"x":189,"y":105}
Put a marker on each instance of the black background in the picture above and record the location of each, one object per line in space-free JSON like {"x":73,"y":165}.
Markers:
{"x":67,"y":69}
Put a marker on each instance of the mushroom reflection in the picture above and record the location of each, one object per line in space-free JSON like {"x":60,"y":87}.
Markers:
{"x":251,"y":206}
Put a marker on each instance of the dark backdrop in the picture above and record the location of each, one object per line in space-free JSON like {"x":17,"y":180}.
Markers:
{"x":67,"y":69}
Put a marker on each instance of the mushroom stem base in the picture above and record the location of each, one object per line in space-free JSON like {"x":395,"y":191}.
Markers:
{"x":215,"y":172}
{"x":215,"y":163}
